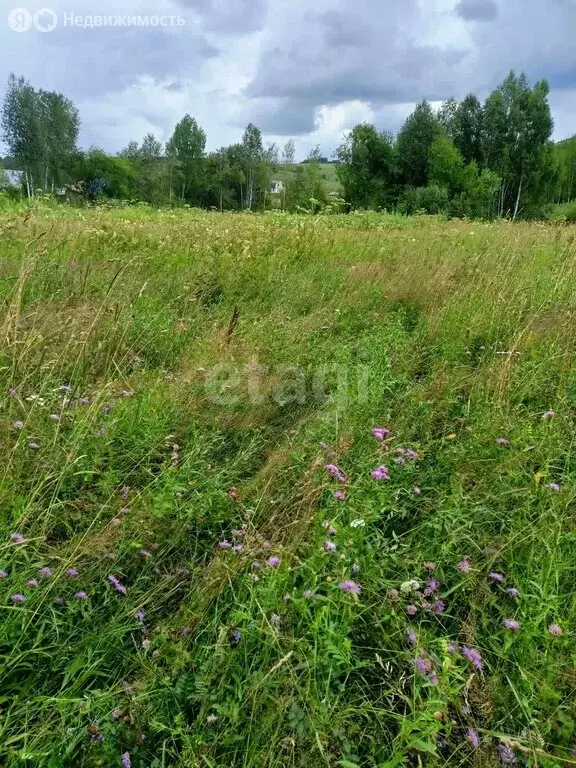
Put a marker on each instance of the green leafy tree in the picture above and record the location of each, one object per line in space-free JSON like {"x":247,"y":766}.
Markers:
{"x":366,"y":167}
{"x":186,"y":153}
{"x":253,"y":156}
{"x":413,"y":144}
{"x":446,"y":165}
{"x":289,"y":152}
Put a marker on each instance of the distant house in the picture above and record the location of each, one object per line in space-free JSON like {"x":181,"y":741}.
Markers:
{"x":276,"y":187}
{"x":11,"y":178}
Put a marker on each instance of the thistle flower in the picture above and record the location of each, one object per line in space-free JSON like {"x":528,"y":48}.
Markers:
{"x":548,"y":415}
{"x":71,"y":572}
{"x":340,"y":495}
{"x":83,"y":401}
{"x":273,"y":561}
{"x":45,"y":572}
{"x":140,"y":616}
{"x":411,"y":610}
{"x":472,"y":736}
{"x":3,"y":574}
{"x":429,"y":566}
{"x":464,"y":565}
{"x":126,"y":762}
{"x":494,"y":576}
{"x":329,"y":546}
{"x":350,"y":586}
{"x":337,"y":473}
{"x":256,"y":564}
{"x":473,"y":657}
{"x":423,"y":665}
{"x":32,"y":583}
{"x":453,"y":648}
{"x":513,"y":592}
{"x":380,"y":473}
{"x":18,"y":424}
{"x":237,"y":548}
{"x":17,"y":538}
{"x":224,"y":545}
{"x":380,"y":433}
{"x":236,"y":636}
{"x":502,"y":441}
{"x":506,"y":754}
{"x":411,"y":637}
{"x":555,"y":630}
{"x":438,"y":607}
{"x":393,"y":595}
{"x":511,"y":624}
{"x":81,"y":595}
{"x":18,"y":598}
{"x":355,"y":568}
{"x":145,"y":554}
{"x":331,"y":530}
{"x":118,"y":586}
{"x":553,"y":487}
{"x":307,"y":594}
{"x":432,"y":585}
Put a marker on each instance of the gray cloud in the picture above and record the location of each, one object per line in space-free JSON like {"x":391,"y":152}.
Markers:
{"x":229,"y":16}
{"x":477,"y":10}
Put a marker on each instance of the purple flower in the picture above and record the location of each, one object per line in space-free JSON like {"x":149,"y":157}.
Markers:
{"x":473,"y":657}
{"x":393,"y":595}
{"x":145,"y":554}
{"x":18,"y":424}
{"x":494,"y":576}
{"x":236,"y":636}
{"x":340,"y":495}
{"x":126,"y":762}
{"x":224,"y":545}
{"x":423,"y":665}
{"x":511,"y":624}
{"x":13,"y":392}
{"x":83,"y":400}
{"x":411,"y":610}
{"x":17,"y":598}
{"x":32,"y":583}
{"x":72,"y":572}
{"x":464,"y":565}
{"x":502,"y":441}
{"x":553,"y":487}
{"x":513,"y":592}
{"x":17,"y":538}
{"x":350,"y":586}
{"x":238,"y":548}
{"x":411,"y":637}
{"x":256,"y":564}
{"x":33,"y":446}
{"x":453,"y":648}
{"x":45,"y":572}
{"x":380,"y":473}
{"x":3,"y":574}
{"x":548,"y":415}
{"x":185,"y":631}
{"x":439,"y":607}
{"x":473,"y":739}
{"x":506,"y":754}
{"x":329,"y":546}
{"x":81,"y":595}
{"x":307,"y":594}
{"x":337,"y":473}
{"x":140,"y":616}
{"x":400,"y":461}
{"x":432,"y":585}
{"x":380,"y":433}
{"x":273,"y":561}
{"x":555,"y":630}
{"x":118,"y":586}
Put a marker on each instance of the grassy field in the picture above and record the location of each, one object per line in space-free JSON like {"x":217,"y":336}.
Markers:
{"x":209,"y":559}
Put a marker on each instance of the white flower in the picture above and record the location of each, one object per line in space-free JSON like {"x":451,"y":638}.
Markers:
{"x":409,"y":586}
{"x":357,"y":524}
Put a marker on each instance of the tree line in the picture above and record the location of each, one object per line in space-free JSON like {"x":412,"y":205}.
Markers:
{"x":465,"y":159}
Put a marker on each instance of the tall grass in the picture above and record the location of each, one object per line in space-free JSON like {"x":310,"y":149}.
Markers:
{"x":172,"y":377}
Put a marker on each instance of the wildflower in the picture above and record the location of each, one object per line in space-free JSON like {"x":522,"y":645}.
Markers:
{"x":340,"y":495}
{"x":555,"y":630}
{"x":306,"y":594}
{"x":58,"y":601}
{"x":118,"y":586}
{"x":337,"y":473}
{"x":224,"y":545}
{"x":33,"y":446}
{"x":380,"y":433}
{"x":3,"y":574}
{"x":83,"y":401}
{"x":466,"y":710}
{"x":411,"y":610}
{"x":17,"y":598}
{"x":331,"y":530}
{"x":432,"y":585}
{"x":411,"y":637}
{"x":256,"y":564}
{"x":54,"y":417}
{"x":236,"y":636}
{"x":65,"y":388}
{"x":417,"y":491}
{"x":553,"y":487}
{"x":355,"y":568}
{"x":400,"y":461}
{"x":81,"y":595}
{"x":13,"y":392}
{"x":409,"y":586}
{"x":350,"y":586}
{"x":473,"y":739}
{"x":513,"y":592}
{"x":464,"y":565}
{"x":506,"y":754}
{"x":273,"y":561}
{"x":238,"y":548}
{"x":511,"y":624}
{"x":380,"y":473}
{"x":453,"y":648}
{"x":275,"y":620}
{"x":45,"y":572}
{"x":502,"y":441}
{"x":238,"y":532}
{"x":438,"y":607}
{"x":126,"y":393}
{"x":17,"y":538}
{"x":548,"y":415}
{"x":145,"y":554}
{"x":393,"y":594}
{"x":357,"y":524}
{"x":211,"y":719}
{"x":18,"y":424}
{"x":185,"y":631}
{"x":71,"y":572}
{"x":126,"y":762}
{"x":429,"y":566}
{"x":329,"y":546}
{"x":473,"y":657}
{"x":494,"y":576}
{"x":423,"y":665}
{"x":145,"y":644}
{"x":32,"y":583}
{"x":140,"y":616}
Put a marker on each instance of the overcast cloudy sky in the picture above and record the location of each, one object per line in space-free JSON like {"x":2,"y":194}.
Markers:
{"x":302,"y":69}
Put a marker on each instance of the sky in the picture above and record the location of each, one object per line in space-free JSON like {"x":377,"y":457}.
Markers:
{"x":298,"y":69}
